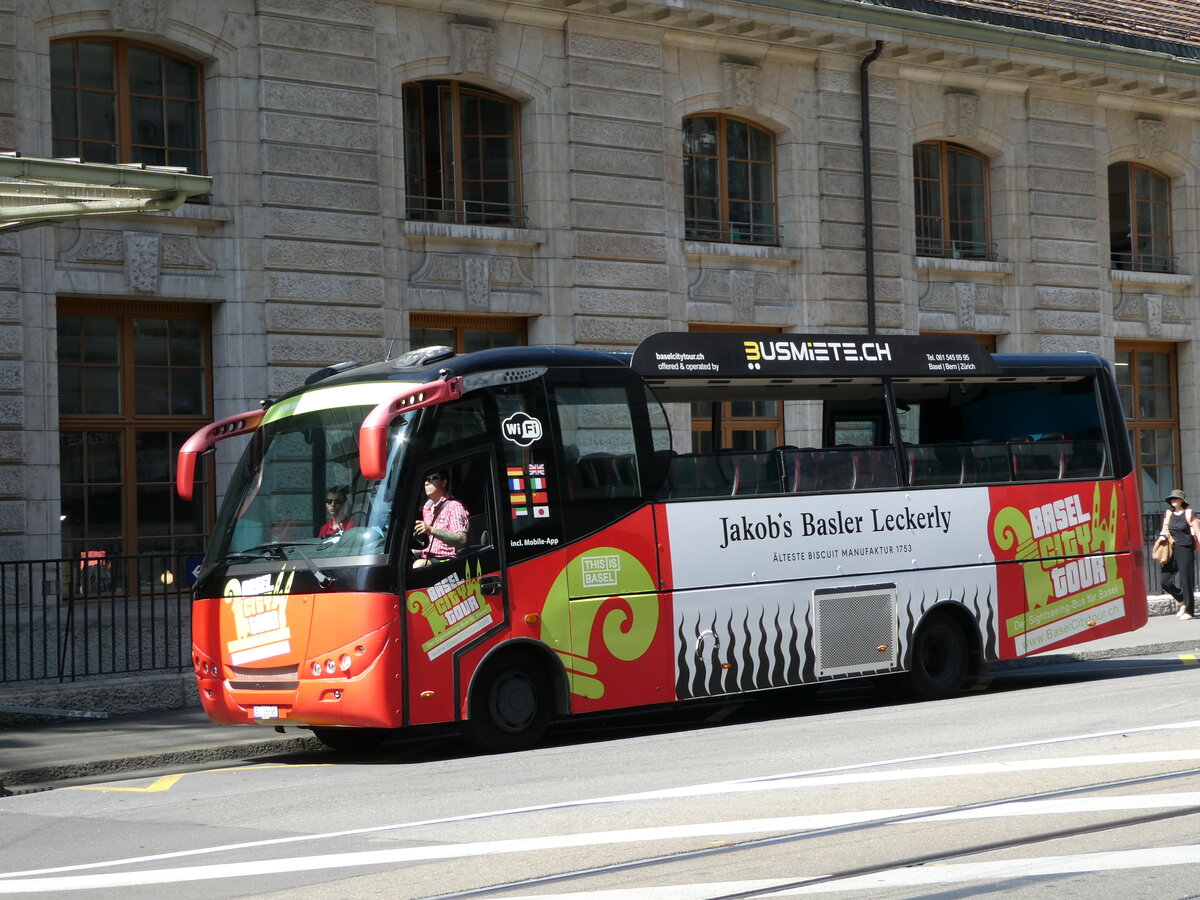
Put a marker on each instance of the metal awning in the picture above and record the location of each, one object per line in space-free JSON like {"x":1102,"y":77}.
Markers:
{"x":44,"y":191}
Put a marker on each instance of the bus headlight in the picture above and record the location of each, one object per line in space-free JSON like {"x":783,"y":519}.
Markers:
{"x":316,"y":670}
{"x":344,"y":662}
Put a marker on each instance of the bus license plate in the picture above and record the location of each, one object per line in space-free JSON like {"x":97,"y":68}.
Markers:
{"x":266,"y":712}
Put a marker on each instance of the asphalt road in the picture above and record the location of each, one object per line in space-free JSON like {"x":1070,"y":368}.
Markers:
{"x":1077,"y":783}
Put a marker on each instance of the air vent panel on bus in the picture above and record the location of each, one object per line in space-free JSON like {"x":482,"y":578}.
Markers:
{"x":856,"y":629}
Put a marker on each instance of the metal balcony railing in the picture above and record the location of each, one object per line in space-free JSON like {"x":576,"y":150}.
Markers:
{"x":724,"y":231}
{"x":1144,"y":262}
{"x":465,"y":212}
{"x":948,"y":249}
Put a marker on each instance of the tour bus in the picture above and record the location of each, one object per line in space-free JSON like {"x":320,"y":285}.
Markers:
{"x":939,"y":507}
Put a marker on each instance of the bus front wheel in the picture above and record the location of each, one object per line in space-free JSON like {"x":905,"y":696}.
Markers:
{"x":510,"y":705}
{"x":940,"y":660}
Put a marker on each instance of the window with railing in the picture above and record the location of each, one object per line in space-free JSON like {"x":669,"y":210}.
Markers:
{"x":951,"y":195}
{"x":1139,"y":218}
{"x":134,"y":383}
{"x":728,"y":181}
{"x":114,"y":100}
{"x":461,"y":155}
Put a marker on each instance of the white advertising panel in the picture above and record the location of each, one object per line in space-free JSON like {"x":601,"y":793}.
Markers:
{"x":781,"y":538}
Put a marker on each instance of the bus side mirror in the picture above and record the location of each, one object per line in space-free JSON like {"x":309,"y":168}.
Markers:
{"x":373,"y":433}
{"x":204,"y":440}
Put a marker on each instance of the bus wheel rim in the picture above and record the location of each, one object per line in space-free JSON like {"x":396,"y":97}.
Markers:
{"x":513,"y":702}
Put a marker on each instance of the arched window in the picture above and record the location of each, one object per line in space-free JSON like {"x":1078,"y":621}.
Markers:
{"x":951,"y":188}
{"x":1139,"y":218}
{"x":728,"y":181}
{"x":461,"y":157}
{"x":119,"y":101}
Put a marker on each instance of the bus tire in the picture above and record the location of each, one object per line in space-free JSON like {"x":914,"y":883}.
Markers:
{"x":510,"y":705}
{"x":940,"y":660}
{"x":350,"y":740}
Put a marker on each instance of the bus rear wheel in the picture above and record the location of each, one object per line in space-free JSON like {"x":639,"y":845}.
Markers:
{"x":509,"y":707}
{"x":940,"y":660}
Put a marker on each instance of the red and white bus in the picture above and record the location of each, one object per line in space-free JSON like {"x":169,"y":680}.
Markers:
{"x":941,"y":507}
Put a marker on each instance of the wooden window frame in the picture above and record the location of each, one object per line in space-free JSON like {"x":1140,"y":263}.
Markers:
{"x":1133,"y":259}
{"x":449,"y":203}
{"x":1136,"y":423}
{"x":729,"y":422}
{"x":948,"y":246}
{"x":129,"y":423}
{"x":724,"y":230}
{"x":124,"y":145}
{"x":461,"y":324}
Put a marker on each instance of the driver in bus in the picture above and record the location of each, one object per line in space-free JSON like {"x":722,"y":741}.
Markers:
{"x":443,"y":523}
{"x":339,"y":517}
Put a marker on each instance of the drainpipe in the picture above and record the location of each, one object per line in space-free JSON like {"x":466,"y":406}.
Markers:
{"x":868,"y":217}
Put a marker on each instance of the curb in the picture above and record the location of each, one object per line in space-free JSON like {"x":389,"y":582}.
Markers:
{"x":1053,"y":659}
{"x":241,"y":750}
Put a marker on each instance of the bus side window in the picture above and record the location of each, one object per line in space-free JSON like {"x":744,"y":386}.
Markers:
{"x":460,"y":422}
{"x":601,"y":473}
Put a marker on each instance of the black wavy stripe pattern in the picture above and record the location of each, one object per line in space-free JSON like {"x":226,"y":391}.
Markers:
{"x":777,"y":656}
{"x":983,"y":608}
{"x":771,"y":658}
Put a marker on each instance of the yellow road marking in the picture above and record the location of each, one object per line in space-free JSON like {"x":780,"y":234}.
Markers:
{"x":160,"y":784}
{"x":1189,"y":659}
{"x":166,"y":782}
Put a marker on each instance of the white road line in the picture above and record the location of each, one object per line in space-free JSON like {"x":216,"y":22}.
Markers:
{"x":548,"y":843}
{"x":999,"y":768}
{"x":698,"y":790}
{"x":957,"y":873}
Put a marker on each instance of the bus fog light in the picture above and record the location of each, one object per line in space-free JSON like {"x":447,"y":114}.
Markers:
{"x":330,"y":666}
{"x":316,"y":669}
{"x":360,"y":650}
{"x":344,"y":662}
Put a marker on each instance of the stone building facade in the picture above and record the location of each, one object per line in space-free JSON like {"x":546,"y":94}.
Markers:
{"x":309,"y":252}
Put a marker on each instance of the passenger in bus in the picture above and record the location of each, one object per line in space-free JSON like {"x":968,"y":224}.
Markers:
{"x":1178,"y":577}
{"x":443,"y":524}
{"x":339,"y":516}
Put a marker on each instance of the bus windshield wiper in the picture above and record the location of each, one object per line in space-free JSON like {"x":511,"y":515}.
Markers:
{"x":276,"y":549}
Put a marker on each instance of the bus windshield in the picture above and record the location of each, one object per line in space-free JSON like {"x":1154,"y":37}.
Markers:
{"x":297,"y":491}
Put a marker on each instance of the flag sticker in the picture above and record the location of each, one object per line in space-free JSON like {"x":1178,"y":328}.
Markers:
{"x":517,"y":499}
{"x":516,"y":484}
{"x":519,"y":511}
{"x":536,"y":484}
{"x":537,"y":468}
{"x":541,"y":498}
{"x":541,"y":512}
{"x":515,"y":472}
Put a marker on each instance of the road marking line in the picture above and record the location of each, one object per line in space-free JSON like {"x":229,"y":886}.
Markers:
{"x":1189,"y":659}
{"x":543,"y":844}
{"x":576,"y":804}
{"x":165,"y":783}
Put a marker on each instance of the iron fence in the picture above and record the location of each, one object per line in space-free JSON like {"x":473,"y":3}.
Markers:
{"x":63,"y":620}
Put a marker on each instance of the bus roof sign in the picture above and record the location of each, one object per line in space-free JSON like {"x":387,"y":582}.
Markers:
{"x":688,"y":357}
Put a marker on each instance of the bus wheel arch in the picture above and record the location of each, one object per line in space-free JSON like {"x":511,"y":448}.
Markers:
{"x":513,"y":694}
{"x":945,"y":655}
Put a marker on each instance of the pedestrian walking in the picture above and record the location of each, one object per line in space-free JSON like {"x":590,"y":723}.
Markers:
{"x":1179,"y":572}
